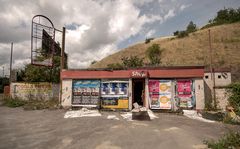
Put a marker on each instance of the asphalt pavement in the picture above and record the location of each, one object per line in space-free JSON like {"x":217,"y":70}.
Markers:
{"x":49,"y":129}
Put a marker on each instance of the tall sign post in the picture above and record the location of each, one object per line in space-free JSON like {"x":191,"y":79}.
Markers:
{"x":43,"y":45}
{"x":212,"y":69}
{"x":10,"y":77}
{"x":62,"y":64}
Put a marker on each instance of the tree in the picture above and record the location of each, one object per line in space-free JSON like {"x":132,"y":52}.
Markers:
{"x":3,"y":82}
{"x":32,"y":73}
{"x":154,"y":54}
{"x":191,"y":27}
{"x":176,"y":33}
{"x":132,"y":62}
{"x":115,"y":66}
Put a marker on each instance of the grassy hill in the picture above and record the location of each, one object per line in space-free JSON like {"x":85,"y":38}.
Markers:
{"x":191,"y":50}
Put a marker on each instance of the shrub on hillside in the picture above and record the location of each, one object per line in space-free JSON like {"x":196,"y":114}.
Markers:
{"x":191,"y":27}
{"x":154,"y":53}
{"x":224,"y":16}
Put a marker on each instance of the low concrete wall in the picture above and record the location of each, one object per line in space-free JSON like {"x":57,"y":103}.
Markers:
{"x":222,"y":98}
{"x":199,"y":94}
{"x":28,"y":91}
{"x":66,"y":100}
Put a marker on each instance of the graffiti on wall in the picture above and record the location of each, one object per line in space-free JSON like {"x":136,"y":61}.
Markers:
{"x":43,"y":91}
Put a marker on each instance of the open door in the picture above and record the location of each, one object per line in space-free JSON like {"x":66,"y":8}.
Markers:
{"x":138,"y":90}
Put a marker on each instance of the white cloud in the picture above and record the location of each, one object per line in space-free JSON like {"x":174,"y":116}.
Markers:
{"x":98,"y":26}
{"x":170,"y":14}
{"x":182,"y":7}
{"x":150,"y":33}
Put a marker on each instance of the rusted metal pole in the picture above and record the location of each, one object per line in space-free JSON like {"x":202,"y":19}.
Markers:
{"x":62,"y":64}
{"x":10,"y":77}
{"x":212,"y":69}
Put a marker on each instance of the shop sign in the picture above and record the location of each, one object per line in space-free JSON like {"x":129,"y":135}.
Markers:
{"x":139,"y":74}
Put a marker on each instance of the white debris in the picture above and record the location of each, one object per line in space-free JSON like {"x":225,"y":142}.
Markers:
{"x":127,"y":116}
{"x":151,"y":114}
{"x":112,"y":117}
{"x":135,"y":110}
{"x":135,"y":105}
{"x":143,"y":109}
{"x":194,"y":115}
{"x":82,"y":113}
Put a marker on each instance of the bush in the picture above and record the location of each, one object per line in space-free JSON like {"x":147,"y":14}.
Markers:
{"x":234,"y":99}
{"x":132,"y":62}
{"x":182,"y":34}
{"x":13,"y":102}
{"x":115,"y":66}
{"x":154,"y":53}
{"x":230,"y":140}
{"x":31,"y":104}
{"x":148,"y":40}
{"x":41,"y":104}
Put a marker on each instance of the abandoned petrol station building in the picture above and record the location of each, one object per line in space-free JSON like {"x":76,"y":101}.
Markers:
{"x":155,"y":88}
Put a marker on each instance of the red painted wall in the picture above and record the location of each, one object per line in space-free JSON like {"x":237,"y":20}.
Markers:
{"x":174,"y":72}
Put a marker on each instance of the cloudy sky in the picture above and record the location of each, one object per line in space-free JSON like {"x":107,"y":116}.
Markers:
{"x":97,"y":28}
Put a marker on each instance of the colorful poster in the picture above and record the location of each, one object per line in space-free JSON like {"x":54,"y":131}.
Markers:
{"x":165,"y":101}
{"x":109,"y":101}
{"x":114,"y":89}
{"x":155,"y":103}
{"x":86,"y":92}
{"x":123,"y":88}
{"x":184,"y":88}
{"x":160,"y":92}
{"x":114,"y":94}
{"x":105,"y":88}
{"x":165,"y":92}
{"x":165,"y":86}
{"x":153,"y":86}
{"x":184,"y":93}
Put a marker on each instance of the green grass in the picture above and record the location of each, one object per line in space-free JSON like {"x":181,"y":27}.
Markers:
{"x":13,"y":102}
{"x":30,"y":104}
{"x":230,"y":140}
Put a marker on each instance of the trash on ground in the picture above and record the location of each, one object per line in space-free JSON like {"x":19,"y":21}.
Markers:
{"x":232,"y":114}
{"x":194,"y":115}
{"x":127,"y":116}
{"x":143,"y":109}
{"x":142,"y":115}
{"x":84,"y":112}
{"x":151,"y":114}
{"x":135,"y":105}
{"x":112,"y":117}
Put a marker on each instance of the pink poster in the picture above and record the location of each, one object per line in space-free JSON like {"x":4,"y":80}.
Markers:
{"x":153,"y":86}
{"x":184,"y":88}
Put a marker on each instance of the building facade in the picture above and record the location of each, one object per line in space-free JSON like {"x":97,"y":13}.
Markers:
{"x":215,"y":87}
{"x":169,"y":88}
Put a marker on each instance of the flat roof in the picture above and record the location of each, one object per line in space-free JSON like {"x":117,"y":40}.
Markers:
{"x":151,"y":72}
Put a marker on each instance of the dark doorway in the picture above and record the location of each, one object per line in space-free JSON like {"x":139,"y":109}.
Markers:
{"x":138,"y":91}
